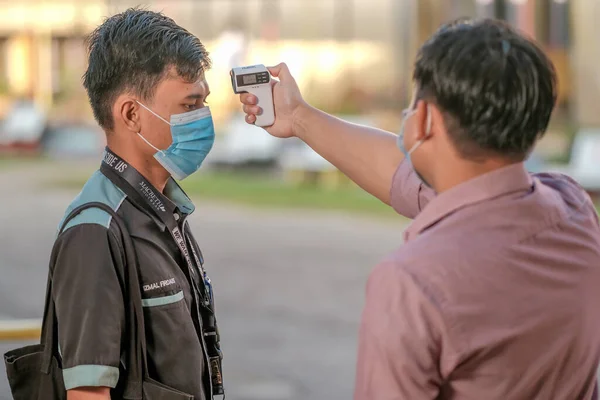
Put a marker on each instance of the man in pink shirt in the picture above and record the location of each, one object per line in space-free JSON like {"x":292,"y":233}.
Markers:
{"x":495,"y":293}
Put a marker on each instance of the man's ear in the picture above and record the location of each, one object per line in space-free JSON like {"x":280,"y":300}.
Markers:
{"x":430,"y":119}
{"x":127,"y":112}
{"x":438,"y":124}
{"x":424,"y":120}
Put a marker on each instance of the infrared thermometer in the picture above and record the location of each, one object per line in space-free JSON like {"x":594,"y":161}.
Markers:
{"x":256,"y":79}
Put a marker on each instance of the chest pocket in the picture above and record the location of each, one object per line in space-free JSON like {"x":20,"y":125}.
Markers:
{"x":167,"y":313}
{"x":175,"y":355}
{"x":163,"y":301}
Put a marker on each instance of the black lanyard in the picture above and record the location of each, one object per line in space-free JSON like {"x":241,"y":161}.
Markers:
{"x":145,"y":191}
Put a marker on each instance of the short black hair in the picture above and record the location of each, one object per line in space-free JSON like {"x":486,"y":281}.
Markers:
{"x":132,"y":52}
{"x":495,"y":88}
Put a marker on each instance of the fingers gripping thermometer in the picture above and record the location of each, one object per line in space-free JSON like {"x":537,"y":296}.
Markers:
{"x":256,"y":79}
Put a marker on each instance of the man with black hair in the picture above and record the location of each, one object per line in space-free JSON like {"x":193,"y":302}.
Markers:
{"x":494,"y":294}
{"x":146,"y":85}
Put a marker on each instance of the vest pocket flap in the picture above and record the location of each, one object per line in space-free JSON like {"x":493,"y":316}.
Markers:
{"x":154,"y":390}
{"x":162,"y":300}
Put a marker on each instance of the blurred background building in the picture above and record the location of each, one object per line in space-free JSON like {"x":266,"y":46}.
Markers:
{"x":42,"y":41}
{"x":351,"y":57}
{"x":329,"y":43}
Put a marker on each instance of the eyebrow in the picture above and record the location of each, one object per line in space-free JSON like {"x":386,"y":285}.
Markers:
{"x":196,"y":96}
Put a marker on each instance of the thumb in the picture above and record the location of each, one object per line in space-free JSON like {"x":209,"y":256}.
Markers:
{"x":280,"y":71}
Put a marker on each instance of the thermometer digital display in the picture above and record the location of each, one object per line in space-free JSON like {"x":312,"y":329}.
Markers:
{"x":256,"y":79}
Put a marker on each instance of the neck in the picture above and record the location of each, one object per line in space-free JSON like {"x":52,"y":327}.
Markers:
{"x":465,"y":171}
{"x":145,"y":165}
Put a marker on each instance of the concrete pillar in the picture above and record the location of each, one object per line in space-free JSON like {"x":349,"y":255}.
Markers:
{"x":430,"y":15}
{"x":29,"y":67}
{"x":521,"y":13}
{"x":404,"y":44}
{"x":421,"y":18}
{"x":585,"y":59}
{"x":43,"y":70}
{"x":19,"y":64}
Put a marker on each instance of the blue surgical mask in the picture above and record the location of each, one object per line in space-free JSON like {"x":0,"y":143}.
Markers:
{"x":193,"y":136}
{"x":406,"y":114}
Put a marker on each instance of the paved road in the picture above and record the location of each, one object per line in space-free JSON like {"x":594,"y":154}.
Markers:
{"x":289,"y":285}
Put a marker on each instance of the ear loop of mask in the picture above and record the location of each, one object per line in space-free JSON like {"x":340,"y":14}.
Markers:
{"x":153,"y":113}
{"x":157,"y":116}
{"x":427,"y":132}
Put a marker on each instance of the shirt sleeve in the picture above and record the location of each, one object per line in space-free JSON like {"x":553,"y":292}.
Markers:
{"x":89,"y":305}
{"x":571,"y":192}
{"x":400,"y":340}
{"x":409,"y":195}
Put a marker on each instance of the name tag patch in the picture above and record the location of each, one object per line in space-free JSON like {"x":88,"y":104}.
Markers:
{"x":158,"y":285}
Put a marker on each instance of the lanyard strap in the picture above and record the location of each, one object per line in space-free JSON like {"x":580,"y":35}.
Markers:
{"x":146,"y":192}
{"x":143,"y":192}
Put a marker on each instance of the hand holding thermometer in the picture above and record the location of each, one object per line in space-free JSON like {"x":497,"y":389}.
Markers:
{"x":256,"y":79}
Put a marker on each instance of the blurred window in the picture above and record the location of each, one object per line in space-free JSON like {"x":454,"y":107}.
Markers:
{"x":554,"y":35}
{"x":557,"y":23}
{"x":461,"y":8}
{"x":309,"y":19}
{"x":491,"y":8}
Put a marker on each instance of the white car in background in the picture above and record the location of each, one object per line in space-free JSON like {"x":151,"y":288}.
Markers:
{"x":584,"y":164}
{"x":240,"y":144}
{"x":24,"y":125}
{"x":298,"y":156}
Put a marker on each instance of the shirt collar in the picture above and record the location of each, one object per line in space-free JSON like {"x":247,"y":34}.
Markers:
{"x":173,"y":198}
{"x":175,"y":194}
{"x":175,"y":201}
{"x":503,"y":181}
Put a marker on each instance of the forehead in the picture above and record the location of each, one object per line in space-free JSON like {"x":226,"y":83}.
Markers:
{"x":176,"y":85}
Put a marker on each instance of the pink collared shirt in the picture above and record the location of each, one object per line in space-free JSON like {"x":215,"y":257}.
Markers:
{"x":495,"y":294}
